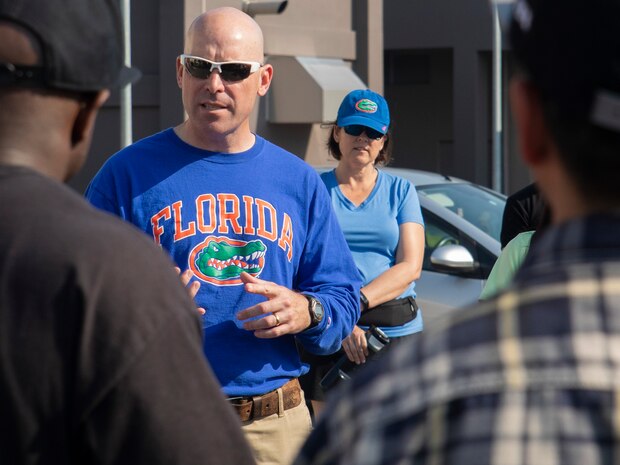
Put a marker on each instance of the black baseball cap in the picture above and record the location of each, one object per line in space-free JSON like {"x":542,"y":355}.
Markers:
{"x":81,"y":43}
{"x":570,"y":49}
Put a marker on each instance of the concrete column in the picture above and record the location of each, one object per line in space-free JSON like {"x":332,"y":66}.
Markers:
{"x":368,"y":26}
{"x":171,"y":36}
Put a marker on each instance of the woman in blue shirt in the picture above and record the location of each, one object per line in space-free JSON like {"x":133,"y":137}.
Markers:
{"x":382,"y":222}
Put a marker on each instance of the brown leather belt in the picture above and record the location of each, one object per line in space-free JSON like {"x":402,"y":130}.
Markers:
{"x":255,"y":407}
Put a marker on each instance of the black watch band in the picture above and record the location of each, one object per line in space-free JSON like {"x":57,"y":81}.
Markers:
{"x":315,"y":308}
{"x":363,"y":302}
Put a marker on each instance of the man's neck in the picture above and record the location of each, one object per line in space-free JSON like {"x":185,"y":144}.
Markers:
{"x":562,"y":194}
{"x":239,"y":141}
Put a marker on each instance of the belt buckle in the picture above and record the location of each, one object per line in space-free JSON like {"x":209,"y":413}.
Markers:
{"x":244,"y":407}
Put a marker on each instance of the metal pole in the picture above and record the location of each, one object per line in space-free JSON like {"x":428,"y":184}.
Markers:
{"x":125,"y":92}
{"x":498,"y":168}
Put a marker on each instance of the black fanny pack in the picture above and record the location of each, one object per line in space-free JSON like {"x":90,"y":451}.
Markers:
{"x":395,"y":312}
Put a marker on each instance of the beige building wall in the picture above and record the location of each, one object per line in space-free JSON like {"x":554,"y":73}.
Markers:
{"x":347,"y":34}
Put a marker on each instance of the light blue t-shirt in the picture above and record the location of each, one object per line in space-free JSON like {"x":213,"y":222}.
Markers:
{"x":372,"y":230}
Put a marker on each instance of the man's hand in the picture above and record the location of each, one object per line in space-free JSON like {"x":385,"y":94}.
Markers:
{"x":284,"y":311}
{"x":192,"y":288}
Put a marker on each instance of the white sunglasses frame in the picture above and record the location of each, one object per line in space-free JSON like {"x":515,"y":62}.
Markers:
{"x":254,"y":65}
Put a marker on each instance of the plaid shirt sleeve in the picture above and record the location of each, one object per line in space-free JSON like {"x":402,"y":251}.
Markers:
{"x":531,"y":377}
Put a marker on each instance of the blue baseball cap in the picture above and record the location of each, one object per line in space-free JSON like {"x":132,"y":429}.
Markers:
{"x":366,"y":108}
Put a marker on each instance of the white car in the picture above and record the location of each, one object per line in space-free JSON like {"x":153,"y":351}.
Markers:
{"x":462,"y":228}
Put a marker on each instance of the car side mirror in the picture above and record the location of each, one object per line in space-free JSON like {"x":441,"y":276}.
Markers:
{"x":454,"y":259}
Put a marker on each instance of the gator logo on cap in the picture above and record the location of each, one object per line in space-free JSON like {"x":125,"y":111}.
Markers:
{"x":220,"y":260}
{"x":366,"y":106}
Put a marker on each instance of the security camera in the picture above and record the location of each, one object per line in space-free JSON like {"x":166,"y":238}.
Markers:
{"x":252,"y":7}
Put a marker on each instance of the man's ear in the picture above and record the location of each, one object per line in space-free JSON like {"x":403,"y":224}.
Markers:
{"x":84,"y":122}
{"x":179,"y":71}
{"x":266,"y":74}
{"x":532,"y":132}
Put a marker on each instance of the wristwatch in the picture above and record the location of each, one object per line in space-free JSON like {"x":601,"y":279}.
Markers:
{"x":315,"y":308}
{"x":363,"y":302}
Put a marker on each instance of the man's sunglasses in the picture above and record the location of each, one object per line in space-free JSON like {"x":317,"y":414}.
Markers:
{"x":357,"y":129}
{"x":230,"y":71}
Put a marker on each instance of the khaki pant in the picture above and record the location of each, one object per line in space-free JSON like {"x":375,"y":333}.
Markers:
{"x":276,"y":439}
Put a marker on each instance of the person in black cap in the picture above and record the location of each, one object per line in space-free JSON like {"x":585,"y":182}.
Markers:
{"x":530,"y":377}
{"x":100,"y":345}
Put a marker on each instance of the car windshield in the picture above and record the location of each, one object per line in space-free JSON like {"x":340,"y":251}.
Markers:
{"x":480,"y":207}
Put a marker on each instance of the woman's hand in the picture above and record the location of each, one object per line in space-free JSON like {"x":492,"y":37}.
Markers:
{"x":356,"y":346}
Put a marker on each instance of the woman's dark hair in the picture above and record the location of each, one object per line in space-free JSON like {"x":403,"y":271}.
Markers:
{"x":385,"y":155}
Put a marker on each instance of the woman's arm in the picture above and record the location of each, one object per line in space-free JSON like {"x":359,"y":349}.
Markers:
{"x":409,"y":257}
{"x":390,"y":284}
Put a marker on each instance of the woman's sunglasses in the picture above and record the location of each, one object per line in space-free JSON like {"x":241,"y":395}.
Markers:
{"x":357,"y":129}
{"x":230,"y":71}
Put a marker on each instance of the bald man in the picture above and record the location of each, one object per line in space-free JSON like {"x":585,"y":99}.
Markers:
{"x":252,"y":222}
{"x":100,"y":362}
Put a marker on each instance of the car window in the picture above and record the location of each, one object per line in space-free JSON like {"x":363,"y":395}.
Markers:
{"x":480,"y":207}
{"x":439,"y":232}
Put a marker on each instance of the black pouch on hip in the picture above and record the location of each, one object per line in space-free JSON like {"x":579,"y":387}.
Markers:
{"x":395,"y":312}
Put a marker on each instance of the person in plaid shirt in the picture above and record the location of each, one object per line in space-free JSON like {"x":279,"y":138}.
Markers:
{"x":533,"y":376}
